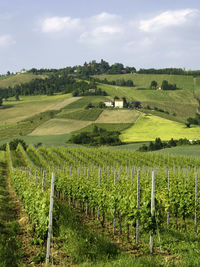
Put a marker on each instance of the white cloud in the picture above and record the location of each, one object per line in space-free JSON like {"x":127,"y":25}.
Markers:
{"x":105,"y":18}
{"x":146,"y":42}
{"x":101,"y":34}
{"x":6,"y":40}
{"x":102,"y":28}
{"x":167,"y":19}
{"x":58,"y":24}
{"x":99,"y":29}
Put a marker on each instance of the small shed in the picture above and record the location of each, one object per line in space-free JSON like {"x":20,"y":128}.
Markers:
{"x":109,"y":103}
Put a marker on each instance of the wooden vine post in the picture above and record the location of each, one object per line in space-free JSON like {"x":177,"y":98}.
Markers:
{"x":50,"y":227}
{"x":152,"y":208}
{"x":114,"y":218}
{"x":168,"y":210}
{"x":98,"y":212}
{"x":138,"y":206}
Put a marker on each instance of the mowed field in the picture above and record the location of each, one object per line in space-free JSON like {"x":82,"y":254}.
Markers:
{"x":59,"y":126}
{"x":118,"y":116}
{"x":149,"y":127}
{"x":13,"y":111}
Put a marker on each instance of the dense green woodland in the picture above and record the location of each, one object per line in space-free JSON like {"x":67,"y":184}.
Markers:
{"x":103,"y":67}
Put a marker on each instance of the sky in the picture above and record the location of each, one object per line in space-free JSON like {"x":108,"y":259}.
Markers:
{"x":61,"y":33}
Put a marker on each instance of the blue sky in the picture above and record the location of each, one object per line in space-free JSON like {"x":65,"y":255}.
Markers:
{"x":55,"y":34}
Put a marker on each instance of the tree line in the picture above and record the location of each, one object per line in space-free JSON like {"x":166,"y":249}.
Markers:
{"x":118,"y":82}
{"x":90,"y":68}
{"x":159,"y":144}
{"x":174,"y":71}
{"x":97,"y":137}
{"x":103,"y":67}
{"x":49,"y":86}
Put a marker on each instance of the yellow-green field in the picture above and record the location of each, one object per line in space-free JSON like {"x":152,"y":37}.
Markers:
{"x":118,"y":116}
{"x":149,"y":127}
{"x":13,"y":111}
{"x":59,"y":126}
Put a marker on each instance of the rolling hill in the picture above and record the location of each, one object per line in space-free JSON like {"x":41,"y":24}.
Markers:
{"x":71,"y":117}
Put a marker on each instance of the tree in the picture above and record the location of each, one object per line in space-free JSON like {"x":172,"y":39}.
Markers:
{"x":165,"y":85}
{"x":101,"y":105}
{"x":17,"y":96}
{"x":172,"y":142}
{"x":1,"y":101}
{"x":125,"y":102}
{"x":153,"y":85}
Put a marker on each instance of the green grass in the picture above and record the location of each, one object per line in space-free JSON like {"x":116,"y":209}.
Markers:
{"x":80,"y":242}
{"x":181,"y":102}
{"x":188,"y":150}
{"x":84,"y":101}
{"x":83,"y":115}
{"x":144,"y":80}
{"x":107,"y":126}
{"x":131,"y":146}
{"x":47,"y":140}
{"x":12,"y":80}
{"x":148,"y":128}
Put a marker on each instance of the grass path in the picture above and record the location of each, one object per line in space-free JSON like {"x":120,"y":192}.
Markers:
{"x":9,"y":227}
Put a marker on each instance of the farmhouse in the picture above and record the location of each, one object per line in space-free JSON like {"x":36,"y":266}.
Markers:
{"x":109,"y":103}
{"x":119,"y":103}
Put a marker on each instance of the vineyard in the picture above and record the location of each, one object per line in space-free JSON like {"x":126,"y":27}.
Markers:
{"x":136,"y":196}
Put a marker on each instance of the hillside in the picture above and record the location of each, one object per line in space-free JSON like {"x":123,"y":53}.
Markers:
{"x":180,"y":104}
{"x":169,"y":110}
{"x":14,"y":79}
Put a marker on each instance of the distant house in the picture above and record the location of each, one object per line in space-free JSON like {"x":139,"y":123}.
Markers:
{"x":193,"y":140}
{"x":23,"y":71}
{"x":119,"y":103}
{"x":109,"y":103}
